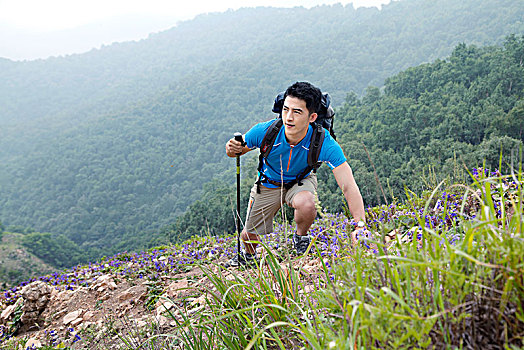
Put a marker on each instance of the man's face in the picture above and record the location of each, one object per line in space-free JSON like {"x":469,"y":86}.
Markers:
{"x":296,"y":118}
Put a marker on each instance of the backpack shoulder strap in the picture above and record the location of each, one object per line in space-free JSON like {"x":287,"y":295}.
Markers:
{"x":266,"y":146}
{"x":317,"y":139}
{"x":270,"y":136}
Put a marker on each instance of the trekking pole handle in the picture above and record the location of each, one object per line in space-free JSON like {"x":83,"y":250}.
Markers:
{"x":238,"y":137}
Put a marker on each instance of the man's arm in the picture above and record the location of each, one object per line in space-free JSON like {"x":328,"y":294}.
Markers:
{"x":348,"y":185}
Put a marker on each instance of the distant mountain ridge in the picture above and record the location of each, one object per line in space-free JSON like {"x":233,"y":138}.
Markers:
{"x":167,"y":57}
{"x":115,"y":143}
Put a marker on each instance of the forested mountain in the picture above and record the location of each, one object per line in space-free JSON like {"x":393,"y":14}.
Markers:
{"x":109,"y":146}
{"x":434,"y":120}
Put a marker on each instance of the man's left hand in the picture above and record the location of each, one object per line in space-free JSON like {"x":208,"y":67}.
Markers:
{"x":361,"y":231}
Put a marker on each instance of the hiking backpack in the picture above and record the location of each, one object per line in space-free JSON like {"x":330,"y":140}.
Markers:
{"x":324,"y":120}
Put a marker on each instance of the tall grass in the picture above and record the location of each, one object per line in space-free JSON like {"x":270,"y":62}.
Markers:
{"x":431,"y":292}
{"x":449,"y":286}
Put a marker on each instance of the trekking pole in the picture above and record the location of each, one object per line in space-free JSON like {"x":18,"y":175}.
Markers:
{"x":238,"y":137}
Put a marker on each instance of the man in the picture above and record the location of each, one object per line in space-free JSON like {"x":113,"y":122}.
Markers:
{"x":287,"y":159}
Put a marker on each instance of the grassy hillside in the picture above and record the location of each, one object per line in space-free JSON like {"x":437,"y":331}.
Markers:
{"x":443,"y":269}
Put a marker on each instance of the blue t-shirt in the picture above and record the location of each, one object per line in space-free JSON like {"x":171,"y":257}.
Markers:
{"x":292,"y":160}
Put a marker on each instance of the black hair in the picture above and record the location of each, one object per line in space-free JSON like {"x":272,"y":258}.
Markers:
{"x":306,"y":92}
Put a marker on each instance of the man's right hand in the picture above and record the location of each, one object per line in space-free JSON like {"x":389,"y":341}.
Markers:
{"x":234,"y":148}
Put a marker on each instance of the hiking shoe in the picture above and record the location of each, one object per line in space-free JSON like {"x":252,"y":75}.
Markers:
{"x":301,"y":243}
{"x":242,"y":259}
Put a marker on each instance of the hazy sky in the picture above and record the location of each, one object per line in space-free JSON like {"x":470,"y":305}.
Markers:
{"x":31,"y":29}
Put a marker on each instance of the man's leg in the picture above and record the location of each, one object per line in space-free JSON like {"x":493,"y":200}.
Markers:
{"x":262,"y":207}
{"x":302,"y":199}
{"x":247,"y":237}
{"x":246,"y":256}
{"x":305,"y":211}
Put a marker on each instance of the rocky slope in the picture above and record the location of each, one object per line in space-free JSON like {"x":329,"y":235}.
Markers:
{"x":99,"y":305}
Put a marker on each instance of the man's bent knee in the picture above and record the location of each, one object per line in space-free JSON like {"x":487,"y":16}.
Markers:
{"x":305,"y":202}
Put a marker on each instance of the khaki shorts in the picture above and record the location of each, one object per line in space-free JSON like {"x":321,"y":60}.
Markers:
{"x":263,"y":206}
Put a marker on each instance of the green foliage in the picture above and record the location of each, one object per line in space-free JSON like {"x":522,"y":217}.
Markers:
{"x":214,"y":213}
{"x":436,"y":118}
{"x":425,"y":292}
{"x":245,"y":313}
{"x":20,"y":229}
{"x":57,"y":251}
